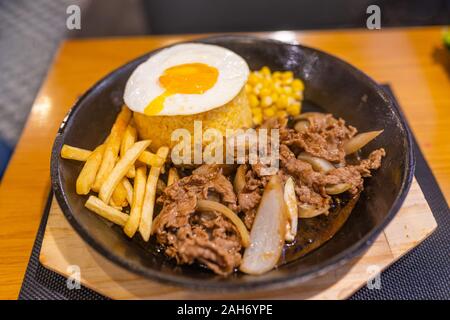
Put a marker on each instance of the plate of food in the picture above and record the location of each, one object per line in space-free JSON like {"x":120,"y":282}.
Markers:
{"x":232,"y":163}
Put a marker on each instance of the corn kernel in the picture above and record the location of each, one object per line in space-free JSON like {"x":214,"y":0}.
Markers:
{"x":248,"y":88}
{"x":287,"y":82}
{"x":256,"y":111}
{"x":267,"y":83}
{"x":293,"y":109}
{"x":287,"y":75}
{"x":269,"y":112}
{"x":281,"y":114}
{"x":287,"y":90}
{"x":257,"y":90}
{"x":279,"y":90}
{"x":298,"y":85}
{"x":276,"y":75}
{"x":253,"y":78}
{"x":265,"y":71}
{"x":282,"y":101}
{"x":253,"y":100}
{"x":265,"y":92}
{"x":266,"y":101}
{"x":274,"y":97}
{"x":298,"y":95}
{"x":257,"y":119}
{"x":273,"y":87}
{"x":291,"y":101}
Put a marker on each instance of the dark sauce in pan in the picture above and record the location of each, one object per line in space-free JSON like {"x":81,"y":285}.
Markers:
{"x":314,"y":232}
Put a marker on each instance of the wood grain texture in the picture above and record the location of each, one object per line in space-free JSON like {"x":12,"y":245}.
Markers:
{"x":62,"y":247}
{"x":412,"y":60}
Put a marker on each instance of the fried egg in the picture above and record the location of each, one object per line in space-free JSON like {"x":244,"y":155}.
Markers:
{"x":186,"y":79}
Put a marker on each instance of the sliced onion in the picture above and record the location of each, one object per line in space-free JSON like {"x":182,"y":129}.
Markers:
{"x":291,"y":205}
{"x":306,"y":115}
{"x":208,"y":205}
{"x":337,"y":188}
{"x":268,"y":231}
{"x":360,"y":140}
{"x":301,"y":125}
{"x":239,"y":179}
{"x":310,"y":211}
{"x":318,"y":164}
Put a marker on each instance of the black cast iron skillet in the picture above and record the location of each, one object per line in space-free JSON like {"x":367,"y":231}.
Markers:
{"x":330,"y":83}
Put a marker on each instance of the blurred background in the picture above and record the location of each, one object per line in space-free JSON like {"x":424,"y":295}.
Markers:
{"x":31,"y":30}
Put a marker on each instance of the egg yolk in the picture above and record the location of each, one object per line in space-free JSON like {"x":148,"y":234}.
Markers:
{"x":188,"y":78}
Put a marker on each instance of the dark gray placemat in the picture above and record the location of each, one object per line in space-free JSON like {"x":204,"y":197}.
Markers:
{"x":42,"y":284}
{"x":423,"y":273}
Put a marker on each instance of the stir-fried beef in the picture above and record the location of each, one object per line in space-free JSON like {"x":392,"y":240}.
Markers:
{"x":250,"y":196}
{"x":353,"y":174}
{"x":324,"y":137}
{"x":210,"y":238}
{"x":189,"y":236}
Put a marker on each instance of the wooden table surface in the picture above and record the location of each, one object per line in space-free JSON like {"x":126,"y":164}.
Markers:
{"x":412,"y":60}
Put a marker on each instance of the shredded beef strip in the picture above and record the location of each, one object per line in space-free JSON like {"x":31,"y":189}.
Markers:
{"x":250,"y":196}
{"x":190,"y":236}
{"x":324,"y":138}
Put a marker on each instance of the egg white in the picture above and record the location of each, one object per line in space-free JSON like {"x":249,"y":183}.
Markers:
{"x":143,"y":85}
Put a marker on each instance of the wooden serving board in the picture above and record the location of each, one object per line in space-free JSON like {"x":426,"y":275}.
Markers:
{"x":62,"y":247}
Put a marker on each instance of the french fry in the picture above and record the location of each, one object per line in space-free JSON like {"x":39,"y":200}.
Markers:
{"x":99,"y":207}
{"x":120,"y":195}
{"x":129,"y":138}
{"x":87,"y":175}
{"x":114,"y":205}
{"x":129,"y":187}
{"x":112,"y":148}
{"x":131,"y":173}
{"x":173,"y":176}
{"x":151,"y":159}
{"x":145,"y":225}
{"x":74,"y":153}
{"x":136,"y":206}
{"x":121,"y":169}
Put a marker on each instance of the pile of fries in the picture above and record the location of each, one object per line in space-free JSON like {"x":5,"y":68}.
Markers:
{"x":117,"y":171}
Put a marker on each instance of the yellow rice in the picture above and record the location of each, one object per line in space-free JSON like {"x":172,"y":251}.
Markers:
{"x":233,"y":115}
